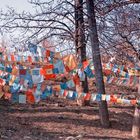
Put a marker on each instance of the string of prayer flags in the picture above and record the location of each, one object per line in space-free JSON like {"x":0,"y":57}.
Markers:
{"x":34,"y":96}
{"x":54,"y":71}
{"x":35,"y":77}
{"x":22,"y":58}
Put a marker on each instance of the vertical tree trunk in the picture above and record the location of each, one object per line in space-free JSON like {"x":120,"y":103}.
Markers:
{"x":80,"y":37}
{"x":103,"y":109}
{"x":136,"y":124}
{"x":139,"y":87}
{"x":136,"y":120}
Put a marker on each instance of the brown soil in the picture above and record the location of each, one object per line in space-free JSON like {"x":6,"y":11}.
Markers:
{"x":61,"y":119}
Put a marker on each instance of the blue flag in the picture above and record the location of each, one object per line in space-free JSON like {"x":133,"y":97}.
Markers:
{"x":32,"y":47}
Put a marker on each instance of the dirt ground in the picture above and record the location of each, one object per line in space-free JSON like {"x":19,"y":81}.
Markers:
{"x":61,"y":119}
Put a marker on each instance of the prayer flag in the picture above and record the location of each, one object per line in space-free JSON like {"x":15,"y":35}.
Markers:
{"x":22,"y":99}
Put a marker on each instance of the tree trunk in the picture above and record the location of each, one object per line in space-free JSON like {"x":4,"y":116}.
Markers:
{"x":139,"y":87}
{"x":80,"y":37}
{"x":103,"y":109}
{"x":136,"y":124}
{"x":136,"y":120}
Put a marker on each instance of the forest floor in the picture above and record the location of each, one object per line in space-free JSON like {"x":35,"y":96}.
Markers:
{"x":61,"y":119}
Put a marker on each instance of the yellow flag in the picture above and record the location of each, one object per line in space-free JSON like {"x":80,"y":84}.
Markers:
{"x":70,"y":61}
{"x":1,"y":94}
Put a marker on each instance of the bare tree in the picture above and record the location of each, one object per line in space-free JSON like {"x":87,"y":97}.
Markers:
{"x":120,"y":28}
{"x":80,"y":41}
{"x":56,"y":21}
{"x":51,"y":20}
{"x":104,"y":116}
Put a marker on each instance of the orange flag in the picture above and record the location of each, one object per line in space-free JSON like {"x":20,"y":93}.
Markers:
{"x":30,"y":97}
{"x":76,"y":79}
{"x":70,"y":62}
{"x":133,"y":102}
{"x":30,"y":59}
{"x":87,"y":97}
{"x":47,"y":53}
{"x":12,"y":57}
{"x":85,"y":64}
{"x":7,"y":96}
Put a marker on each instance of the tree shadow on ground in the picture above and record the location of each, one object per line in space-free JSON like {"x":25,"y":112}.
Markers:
{"x":24,"y":125}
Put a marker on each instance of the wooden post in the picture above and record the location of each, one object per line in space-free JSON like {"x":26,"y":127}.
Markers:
{"x":136,"y":120}
{"x":139,"y":87}
{"x":136,"y":124}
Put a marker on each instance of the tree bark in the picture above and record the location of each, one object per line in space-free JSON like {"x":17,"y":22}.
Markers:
{"x":80,"y":37}
{"x":139,"y":87}
{"x":103,"y":109}
{"x":136,"y":119}
{"x":136,"y":124}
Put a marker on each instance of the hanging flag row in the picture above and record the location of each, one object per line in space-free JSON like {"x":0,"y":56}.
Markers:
{"x":47,"y":72}
{"x":70,"y":64}
{"x":120,"y":69}
{"x":49,"y":57}
{"x":36,"y":96}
